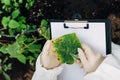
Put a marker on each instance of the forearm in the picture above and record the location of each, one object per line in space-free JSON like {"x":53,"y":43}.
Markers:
{"x":43,"y":74}
{"x":108,"y":70}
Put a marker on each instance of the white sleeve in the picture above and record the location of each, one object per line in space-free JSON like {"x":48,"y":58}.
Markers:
{"x":110,"y":67}
{"x":44,"y":74}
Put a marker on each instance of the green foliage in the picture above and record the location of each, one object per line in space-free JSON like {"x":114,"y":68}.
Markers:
{"x":3,"y":49}
{"x":28,"y":36}
{"x":15,"y":21}
{"x":15,"y":51}
{"x":9,"y":5}
{"x":13,"y":24}
{"x":4,"y":66}
{"x":20,"y":1}
{"x":1,"y":12}
{"x":6,"y":2}
{"x":29,"y":4}
{"x":7,"y":77}
{"x":15,"y":13}
{"x":66,"y":48}
{"x":22,"y":48}
{"x":45,"y":29}
{"x":5,"y":21}
{"x":18,"y":24}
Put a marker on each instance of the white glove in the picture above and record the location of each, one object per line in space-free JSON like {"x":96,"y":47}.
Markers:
{"x":90,"y":60}
{"x":48,"y":58}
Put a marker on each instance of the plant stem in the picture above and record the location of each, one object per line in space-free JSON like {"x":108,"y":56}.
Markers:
{"x":27,"y":46}
{"x":35,"y":41}
{"x":2,"y":29}
{"x":3,"y":44}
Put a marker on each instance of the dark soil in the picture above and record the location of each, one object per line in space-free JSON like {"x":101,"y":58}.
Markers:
{"x":66,"y":9}
{"x":21,"y":71}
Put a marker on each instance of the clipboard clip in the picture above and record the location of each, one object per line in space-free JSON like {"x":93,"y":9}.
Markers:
{"x":84,"y":27}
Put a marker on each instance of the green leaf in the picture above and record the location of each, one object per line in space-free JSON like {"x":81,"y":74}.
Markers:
{"x":1,"y":67}
{"x":30,"y":57}
{"x":1,"y":12}
{"x":13,"y":24}
{"x":45,"y":29}
{"x":29,"y":4}
{"x":27,"y":27}
{"x":44,"y":23}
{"x":34,"y":48}
{"x":6,"y":76}
{"x":14,"y":50}
{"x":45,"y":32}
{"x":31,"y":60}
{"x":4,"y":6}
{"x":5,"y":67}
{"x":66,"y":47}
{"x":16,"y":4}
{"x":36,"y":55}
{"x":5,"y":60}
{"x":23,"y":26}
{"x":20,"y":1}
{"x":9,"y":66}
{"x":11,"y":32}
{"x":21,"y":39}
{"x":6,"y":2}
{"x":15,"y":13}
{"x":5,"y":21}
{"x":29,"y":40}
{"x":3,"y":49}
{"x":22,"y":19}
{"x":21,"y":58}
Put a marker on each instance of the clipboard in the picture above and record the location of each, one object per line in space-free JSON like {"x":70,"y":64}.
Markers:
{"x":96,"y":33}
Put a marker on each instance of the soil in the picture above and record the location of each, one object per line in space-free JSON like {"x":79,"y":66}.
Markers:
{"x":67,"y":9}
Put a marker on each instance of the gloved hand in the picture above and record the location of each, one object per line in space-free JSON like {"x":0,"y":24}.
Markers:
{"x":48,"y":58}
{"x":90,"y":60}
